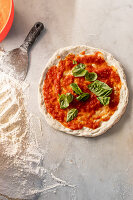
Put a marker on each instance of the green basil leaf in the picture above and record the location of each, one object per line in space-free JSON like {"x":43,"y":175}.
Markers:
{"x":90,"y":76}
{"x":80,"y":65}
{"x":74,"y":62}
{"x":79,"y":70}
{"x":83,"y":97}
{"x":108,"y":93}
{"x":104,"y":100}
{"x":100,"y":88}
{"x":76,"y":88}
{"x":72,"y":114}
{"x":79,"y":73}
{"x":69,"y":97}
{"x":63,"y":101}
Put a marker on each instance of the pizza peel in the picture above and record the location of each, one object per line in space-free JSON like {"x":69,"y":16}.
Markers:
{"x":15,"y":62}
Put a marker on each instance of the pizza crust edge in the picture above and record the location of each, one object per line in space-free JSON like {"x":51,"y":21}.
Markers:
{"x":86,"y":132}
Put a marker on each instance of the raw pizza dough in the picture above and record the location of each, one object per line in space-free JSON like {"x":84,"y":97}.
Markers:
{"x":87,"y":132}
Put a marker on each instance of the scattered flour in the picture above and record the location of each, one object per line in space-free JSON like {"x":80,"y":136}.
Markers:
{"x":22,"y":175}
{"x":20,"y":160}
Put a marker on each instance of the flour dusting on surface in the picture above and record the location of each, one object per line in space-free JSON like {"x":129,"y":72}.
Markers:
{"x":22,"y":174}
{"x":20,"y":160}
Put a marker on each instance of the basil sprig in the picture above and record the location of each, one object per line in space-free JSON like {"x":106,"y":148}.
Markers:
{"x":83,"y":97}
{"x":90,"y":76}
{"x":101,"y":89}
{"x":69,"y":97}
{"x":76,"y":88}
{"x":104,"y":100}
{"x":72,"y":114}
{"x":79,"y":70}
{"x":65,"y":99}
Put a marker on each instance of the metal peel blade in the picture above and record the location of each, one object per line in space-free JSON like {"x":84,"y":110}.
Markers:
{"x":15,"y":62}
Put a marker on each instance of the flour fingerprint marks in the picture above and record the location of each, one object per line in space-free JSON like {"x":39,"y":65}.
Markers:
{"x":13,"y":118}
{"x":4,"y":103}
{"x":9,"y":113}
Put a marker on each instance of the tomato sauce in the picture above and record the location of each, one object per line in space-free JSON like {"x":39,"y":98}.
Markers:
{"x":91,"y":112}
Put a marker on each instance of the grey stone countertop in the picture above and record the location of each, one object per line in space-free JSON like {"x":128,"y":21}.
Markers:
{"x":102,"y":167}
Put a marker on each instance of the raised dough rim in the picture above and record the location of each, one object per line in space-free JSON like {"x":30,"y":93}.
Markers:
{"x":86,"y":132}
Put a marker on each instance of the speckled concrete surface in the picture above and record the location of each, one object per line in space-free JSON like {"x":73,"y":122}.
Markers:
{"x":102,"y":167}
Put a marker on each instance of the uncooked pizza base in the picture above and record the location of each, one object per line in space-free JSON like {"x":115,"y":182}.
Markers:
{"x":86,"y":132}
